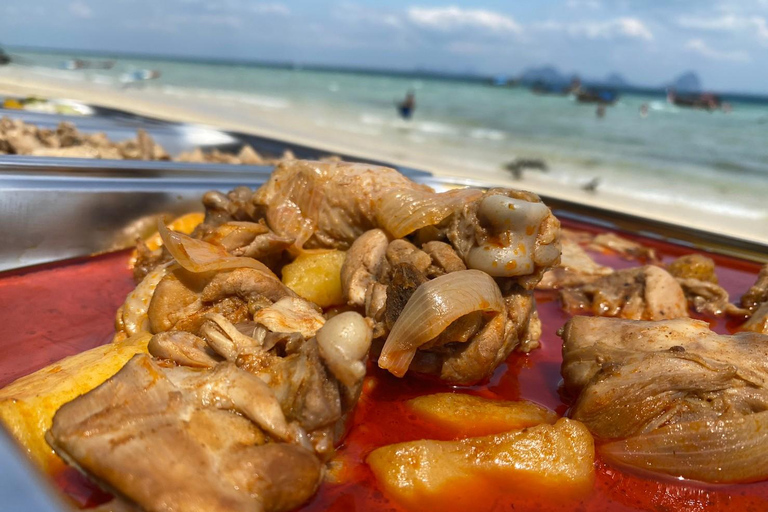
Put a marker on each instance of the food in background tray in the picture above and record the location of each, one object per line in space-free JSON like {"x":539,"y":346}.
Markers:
{"x":20,"y":138}
{"x":34,"y":104}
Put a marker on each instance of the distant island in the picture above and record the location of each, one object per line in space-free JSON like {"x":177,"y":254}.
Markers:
{"x":687,"y":82}
{"x":548,"y":74}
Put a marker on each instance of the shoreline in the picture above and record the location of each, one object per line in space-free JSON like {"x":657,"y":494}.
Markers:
{"x":288,"y":125}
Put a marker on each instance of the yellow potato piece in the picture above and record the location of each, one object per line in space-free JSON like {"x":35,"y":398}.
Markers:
{"x":467,"y":415}
{"x":316,"y":276}
{"x":557,"y":460}
{"x":185,"y":224}
{"x":28,"y":404}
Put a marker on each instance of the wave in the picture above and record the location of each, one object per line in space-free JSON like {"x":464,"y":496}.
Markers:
{"x":487,"y":134}
{"x":436,"y":128}
{"x":265,"y":102}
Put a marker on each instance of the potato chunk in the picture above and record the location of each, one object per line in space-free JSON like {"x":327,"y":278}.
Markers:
{"x":185,"y":224}
{"x":467,"y":415}
{"x":470,"y":474}
{"x":316,"y":276}
{"x":28,"y":404}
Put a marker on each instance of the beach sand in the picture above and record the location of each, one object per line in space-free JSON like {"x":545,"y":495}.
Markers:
{"x":289,"y":125}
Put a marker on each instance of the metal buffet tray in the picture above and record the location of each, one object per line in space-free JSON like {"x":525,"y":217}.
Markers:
{"x":53,"y":209}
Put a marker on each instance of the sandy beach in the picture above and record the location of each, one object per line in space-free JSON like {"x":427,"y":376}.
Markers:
{"x":288,"y":124}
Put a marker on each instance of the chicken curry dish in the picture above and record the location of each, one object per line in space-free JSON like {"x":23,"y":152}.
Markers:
{"x":258,"y":334}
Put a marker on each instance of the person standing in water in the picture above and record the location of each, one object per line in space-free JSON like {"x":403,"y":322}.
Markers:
{"x":407,"y":106}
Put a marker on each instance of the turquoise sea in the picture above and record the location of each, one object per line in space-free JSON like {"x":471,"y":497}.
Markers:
{"x":713,"y":161}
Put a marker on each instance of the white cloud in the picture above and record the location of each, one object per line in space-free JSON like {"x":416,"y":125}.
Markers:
{"x":80,"y":9}
{"x":703,"y":49}
{"x":451,"y":18}
{"x":349,"y":12}
{"x":728,"y":23}
{"x":631,"y":28}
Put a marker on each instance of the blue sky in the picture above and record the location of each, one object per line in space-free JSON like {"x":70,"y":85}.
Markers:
{"x":649,"y":42}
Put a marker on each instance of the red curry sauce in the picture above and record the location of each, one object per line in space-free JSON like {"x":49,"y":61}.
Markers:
{"x":50,"y":312}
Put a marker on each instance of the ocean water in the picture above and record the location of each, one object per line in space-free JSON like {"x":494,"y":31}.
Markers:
{"x":716,"y":162}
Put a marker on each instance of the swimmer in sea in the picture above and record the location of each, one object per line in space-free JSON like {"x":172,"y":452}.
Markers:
{"x":407,"y":106}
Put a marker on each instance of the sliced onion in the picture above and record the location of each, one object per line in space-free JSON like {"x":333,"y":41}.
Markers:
{"x":432,"y":308}
{"x":403,"y":211}
{"x":198,"y":256}
{"x":717,"y":451}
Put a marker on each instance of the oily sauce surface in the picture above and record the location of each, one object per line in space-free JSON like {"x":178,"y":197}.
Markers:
{"x":50,"y":312}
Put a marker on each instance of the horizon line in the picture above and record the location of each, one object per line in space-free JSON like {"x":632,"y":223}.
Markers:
{"x":415,"y":72}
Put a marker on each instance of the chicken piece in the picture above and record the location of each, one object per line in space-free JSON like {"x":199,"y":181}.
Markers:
{"x":65,"y":152}
{"x":696,"y":275}
{"x":364,"y":265}
{"x":28,"y":404}
{"x":236,"y":205}
{"x":576,"y":268}
{"x":249,"y":156}
{"x":195,"y":156}
{"x":325,"y":204}
{"x":68,"y":135}
{"x":444,"y":258}
{"x":654,"y":389}
{"x":183,"y":348}
{"x":291,"y":314}
{"x":647,"y":293}
{"x":758,"y":321}
{"x":507,"y":233}
{"x":758,"y":293}
{"x":623,"y":247}
{"x":402,"y":251}
{"x":708,"y":297}
{"x":182,"y":453}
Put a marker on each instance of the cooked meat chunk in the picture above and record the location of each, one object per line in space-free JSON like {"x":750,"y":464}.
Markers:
{"x":758,"y":322}
{"x":642,"y":293}
{"x":709,"y":298}
{"x":161,"y":447}
{"x":444,"y":258}
{"x":507,"y":233}
{"x":696,"y":275}
{"x":325,"y":204}
{"x":576,"y":268}
{"x":623,"y":247}
{"x":402,"y":251}
{"x":758,"y":293}
{"x":364,"y":265}
{"x":403,"y":281}
{"x":184,"y":348}
{"x":669,"y":394}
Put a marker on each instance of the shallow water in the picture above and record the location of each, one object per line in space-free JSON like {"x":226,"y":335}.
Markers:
{"x":708,"y":161}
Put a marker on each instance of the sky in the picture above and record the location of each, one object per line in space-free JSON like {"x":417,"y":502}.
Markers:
{"x":649,"y":42}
